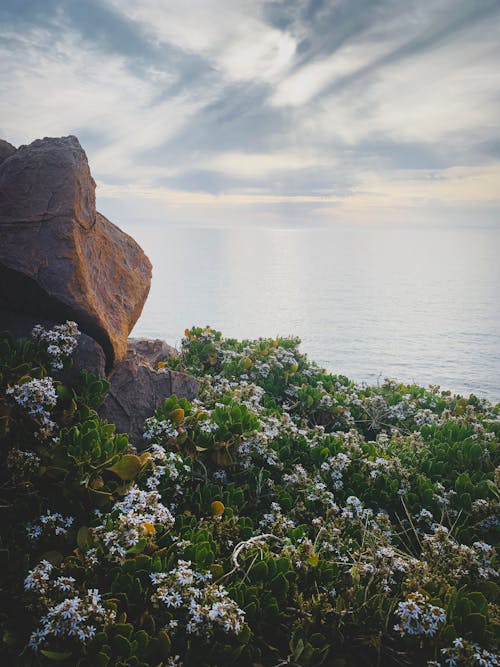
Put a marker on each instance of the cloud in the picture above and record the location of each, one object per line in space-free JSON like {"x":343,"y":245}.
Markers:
{"x":229,"y":34}
{"x":327,"y":106}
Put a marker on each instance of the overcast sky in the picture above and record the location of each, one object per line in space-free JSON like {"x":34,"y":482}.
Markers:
{"x":264,"y":110}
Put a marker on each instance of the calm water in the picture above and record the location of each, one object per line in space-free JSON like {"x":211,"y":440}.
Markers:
{"x":415,"y":304}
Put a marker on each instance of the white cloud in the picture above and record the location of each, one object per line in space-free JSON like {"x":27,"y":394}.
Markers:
{"x":57,"y":87}
{"x":438,"y":95}
{"x":307,"y":82}
{"x":261,"y":164}
{"x":445,"y":92}
{"x":231,"y":35}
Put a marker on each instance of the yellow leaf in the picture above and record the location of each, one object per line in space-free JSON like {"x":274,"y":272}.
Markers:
{"x":127,"y":468}
{"x":313,"y":560}
{"x":149,"y":528}
{"x":161,"y":364}
{"x":145,"y":457}
{"x":177,"y":416}
{"x":217,"y":508}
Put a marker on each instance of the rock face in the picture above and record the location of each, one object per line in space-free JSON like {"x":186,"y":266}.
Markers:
{"x":6,"y":150}
{"x":153,"y":349}
{"x":137,"y":389}
{"x":59,"y":258}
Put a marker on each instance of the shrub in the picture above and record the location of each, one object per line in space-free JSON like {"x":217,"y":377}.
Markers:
{"x":286,"y":516}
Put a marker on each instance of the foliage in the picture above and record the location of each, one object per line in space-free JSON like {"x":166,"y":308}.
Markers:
{"x":286,"y":516}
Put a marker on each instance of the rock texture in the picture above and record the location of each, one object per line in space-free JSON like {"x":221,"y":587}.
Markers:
{"x":137,"y":389}
{"x":6,"y":150}
{"x":153,"y":349}
{"x":59,"y":258}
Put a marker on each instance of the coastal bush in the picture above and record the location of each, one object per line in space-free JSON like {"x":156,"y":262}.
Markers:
{"x":287,"y":516}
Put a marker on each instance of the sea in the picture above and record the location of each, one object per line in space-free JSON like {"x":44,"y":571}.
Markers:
{"x":414,"y":303}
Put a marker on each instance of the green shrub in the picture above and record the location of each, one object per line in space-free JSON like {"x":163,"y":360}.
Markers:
{"x":286,"y":516}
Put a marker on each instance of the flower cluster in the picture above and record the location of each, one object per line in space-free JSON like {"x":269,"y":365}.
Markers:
{"x":418,"y":617}
{"x":60,"y":342}
{"x":458,"y":561}
{"x":159,"y":430}
{"x":206,"y":605}
{"x":465,"y":653}
{"x":68,"y":613}
{"x":276,"y":521}
{"x":36,"y":398}
{"x":335,"y":466}
{"x":131,"y":523}
{"x":42,"y":580}
{"x":77,"y":617}
{"x":49,"y":525}
{"x":169,"y":471}
{"x":22,"y":465}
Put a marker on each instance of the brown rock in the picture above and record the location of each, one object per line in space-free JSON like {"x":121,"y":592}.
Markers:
{"x":153,"y":349}
{"x":137,"y":389}
{"x":59,"y":258}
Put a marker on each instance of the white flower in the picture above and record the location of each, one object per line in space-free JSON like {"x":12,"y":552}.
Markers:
{"x":207,"y":604}
{"x":60,"y":341}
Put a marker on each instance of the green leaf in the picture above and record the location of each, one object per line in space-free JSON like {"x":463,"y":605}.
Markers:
{"x":279,"y":584}
{"x":259,"y":571}
{"x":101,"y":660}
{"x":57,"y":656}
{"x":164,"y":644}
{"x":121,"y":645}
{"x":127,"y":468}
{"x":83,"y":538}
{"x":137,"y":548}
{"x":298,"y":649}
{"x":476,"y":624}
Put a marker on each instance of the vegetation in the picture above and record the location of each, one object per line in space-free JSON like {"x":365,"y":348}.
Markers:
{"x":286,"y":517}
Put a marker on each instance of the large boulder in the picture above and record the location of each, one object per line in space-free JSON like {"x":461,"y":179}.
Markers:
{"x":137,"y":389}
{"x":59,"y":258}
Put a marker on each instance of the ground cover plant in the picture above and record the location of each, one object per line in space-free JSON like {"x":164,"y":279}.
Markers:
{"x":286,"y":517}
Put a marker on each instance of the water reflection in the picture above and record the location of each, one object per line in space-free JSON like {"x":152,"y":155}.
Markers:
{"x":412,"y":303}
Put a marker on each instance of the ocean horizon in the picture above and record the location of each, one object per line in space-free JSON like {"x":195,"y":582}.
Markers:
{"x":414,"y":303}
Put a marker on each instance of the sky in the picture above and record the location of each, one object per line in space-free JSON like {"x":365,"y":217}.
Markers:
{"x":232,"y":111}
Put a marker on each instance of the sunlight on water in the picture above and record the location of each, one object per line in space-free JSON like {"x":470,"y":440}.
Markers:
{"x":415,"y":304}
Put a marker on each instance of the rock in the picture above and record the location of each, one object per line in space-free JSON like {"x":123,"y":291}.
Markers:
{"x":88,"y":354}
{"x":59,"y":258}
{"x":137,"y":389}
{"x":6,"y":150}
{"x":153,"y":349}
{"x":48,"y":180}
